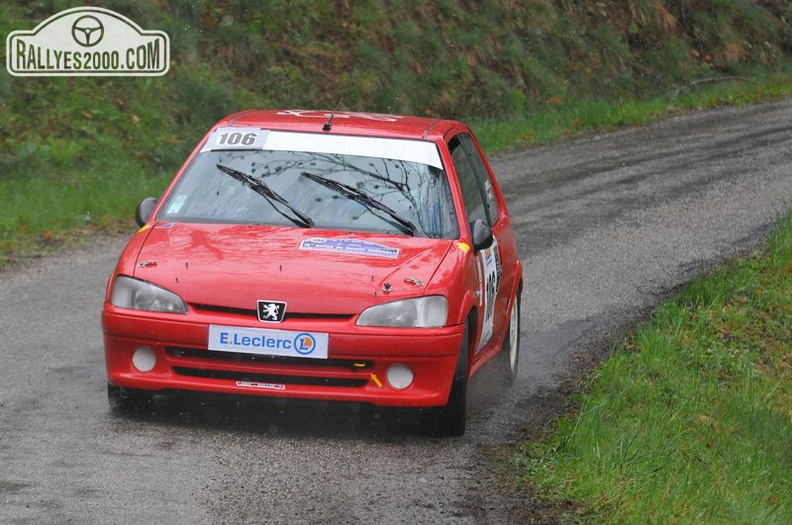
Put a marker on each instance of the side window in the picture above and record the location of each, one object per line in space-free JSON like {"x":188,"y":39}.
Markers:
{"x":483,"y":175}
{"x":471,"y":189}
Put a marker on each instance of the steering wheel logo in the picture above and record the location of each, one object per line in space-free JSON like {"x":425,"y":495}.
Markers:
{"x":87,"y":31}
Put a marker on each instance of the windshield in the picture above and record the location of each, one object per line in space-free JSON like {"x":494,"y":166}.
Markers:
{"x":403,"y":192}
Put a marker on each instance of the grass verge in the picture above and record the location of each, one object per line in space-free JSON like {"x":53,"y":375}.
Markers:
{"x":690,"y":421}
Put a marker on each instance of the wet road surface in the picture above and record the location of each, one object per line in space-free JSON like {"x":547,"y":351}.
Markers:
{"x":607,"y":227}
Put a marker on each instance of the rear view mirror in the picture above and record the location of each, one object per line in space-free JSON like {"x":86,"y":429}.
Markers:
{"x":482,"y":235}
{"x":144,"y":209}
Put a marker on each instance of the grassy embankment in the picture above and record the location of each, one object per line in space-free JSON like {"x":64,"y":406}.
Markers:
{"x":690,"y":420}
{"x":77,"y":154}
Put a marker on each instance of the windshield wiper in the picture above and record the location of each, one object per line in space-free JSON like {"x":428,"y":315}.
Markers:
{"x":364,"y":198}
{"x":260,"y":187}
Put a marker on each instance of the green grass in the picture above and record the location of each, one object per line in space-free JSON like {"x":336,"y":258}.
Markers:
{"x":690,"y":421}
{"x":42,"y":214}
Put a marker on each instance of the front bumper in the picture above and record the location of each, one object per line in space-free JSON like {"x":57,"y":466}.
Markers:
{"x":356,"y":369}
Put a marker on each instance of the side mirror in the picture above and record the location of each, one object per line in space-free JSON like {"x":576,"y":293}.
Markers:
{"x":144,"y":209}
{"x":482,"y":235}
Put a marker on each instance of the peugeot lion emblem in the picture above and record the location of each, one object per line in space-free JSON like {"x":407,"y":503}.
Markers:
{"x":271,"y":311}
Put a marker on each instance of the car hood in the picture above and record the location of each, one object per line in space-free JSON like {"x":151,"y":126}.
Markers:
{"x":313,"y":271}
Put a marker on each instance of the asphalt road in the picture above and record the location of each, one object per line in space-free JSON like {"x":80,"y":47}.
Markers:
{"x":607,"y":227}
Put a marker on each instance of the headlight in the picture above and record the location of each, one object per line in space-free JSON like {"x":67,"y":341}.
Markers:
{"x":424,"y":312}
{"x":140,"y":295}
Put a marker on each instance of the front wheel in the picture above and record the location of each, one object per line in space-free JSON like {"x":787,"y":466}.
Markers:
{"x":451,"y":419}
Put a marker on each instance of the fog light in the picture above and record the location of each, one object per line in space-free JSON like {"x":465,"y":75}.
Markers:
{"x":144,"y":358}
{"x":400,"y":376}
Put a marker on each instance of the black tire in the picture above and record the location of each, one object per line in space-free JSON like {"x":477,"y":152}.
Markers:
{"x":124,"y":401}
{"x":509,"y":357}
{"x":451,"y":420}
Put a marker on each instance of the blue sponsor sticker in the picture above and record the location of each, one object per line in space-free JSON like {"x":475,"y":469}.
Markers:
{"x":259,"y":341}
{"x":349,"y":246}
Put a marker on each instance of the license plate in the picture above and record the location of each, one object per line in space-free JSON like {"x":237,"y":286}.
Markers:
{"x":260,"y":341}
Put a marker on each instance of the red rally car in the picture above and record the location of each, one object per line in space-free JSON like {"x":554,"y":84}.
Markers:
{"x":304,"y":254}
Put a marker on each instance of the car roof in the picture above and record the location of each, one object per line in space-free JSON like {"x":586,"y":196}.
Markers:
{"x":344,"y":123}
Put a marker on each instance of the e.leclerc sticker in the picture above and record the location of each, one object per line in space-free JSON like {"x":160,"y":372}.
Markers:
{"x":260,"y":341}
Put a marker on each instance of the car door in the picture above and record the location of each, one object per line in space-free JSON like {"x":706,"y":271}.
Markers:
{"x":479,"y":196}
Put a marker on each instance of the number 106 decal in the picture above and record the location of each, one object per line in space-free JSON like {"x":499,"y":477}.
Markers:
{"x":236,"y":138}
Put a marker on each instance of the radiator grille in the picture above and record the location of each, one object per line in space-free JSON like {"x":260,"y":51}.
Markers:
{"x":238,"y":357}
{"x":251,"y":312}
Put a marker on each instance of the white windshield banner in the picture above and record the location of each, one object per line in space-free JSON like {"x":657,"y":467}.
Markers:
{"x":419,"y":151}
